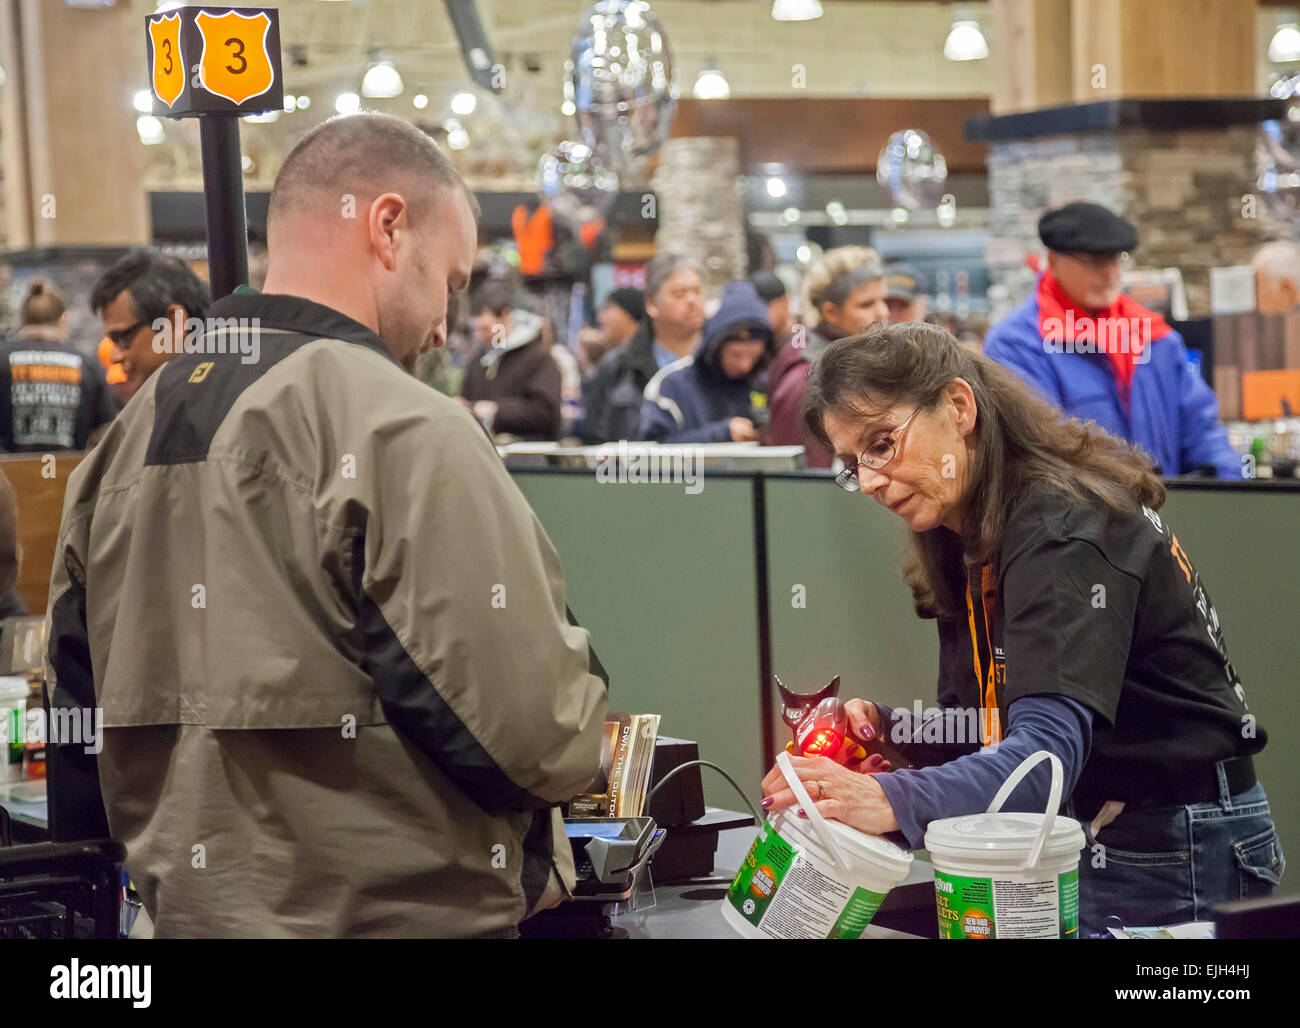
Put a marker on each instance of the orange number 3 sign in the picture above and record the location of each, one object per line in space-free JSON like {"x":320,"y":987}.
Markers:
{"x":235,"y":64}
{"x":168,"y":64}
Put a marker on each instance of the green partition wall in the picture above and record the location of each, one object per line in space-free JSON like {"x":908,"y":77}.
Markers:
{"x":1246,"y":548}
{"x":1244,"y":541}
{"x":665,"y":582}
{"x":837,"y":599}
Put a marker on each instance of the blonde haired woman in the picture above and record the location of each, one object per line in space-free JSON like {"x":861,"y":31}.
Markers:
{"x":844,"y":295}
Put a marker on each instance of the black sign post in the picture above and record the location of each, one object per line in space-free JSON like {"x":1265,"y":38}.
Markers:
{"x":217,"y":65}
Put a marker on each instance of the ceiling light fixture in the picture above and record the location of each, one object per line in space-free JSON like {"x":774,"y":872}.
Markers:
{"x":711,"y":84}
{"x":1285,"y":45}
{"x":965,"y":42}
{"x":150,"y":130}
{"x":381,"y":81}
{"x":796,"y":10}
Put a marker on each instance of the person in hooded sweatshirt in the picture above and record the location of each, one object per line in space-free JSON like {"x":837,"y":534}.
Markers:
{"x":512,"y":383}
{"x":709,"y":397}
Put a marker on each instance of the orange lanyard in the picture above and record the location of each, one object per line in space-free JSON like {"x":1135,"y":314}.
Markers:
{"x":991,"y":722}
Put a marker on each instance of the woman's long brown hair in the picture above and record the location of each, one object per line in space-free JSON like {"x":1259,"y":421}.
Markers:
{"x":1020,"y":439}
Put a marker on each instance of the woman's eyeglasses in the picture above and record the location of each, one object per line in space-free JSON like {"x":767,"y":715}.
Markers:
{"x":875,"y":456}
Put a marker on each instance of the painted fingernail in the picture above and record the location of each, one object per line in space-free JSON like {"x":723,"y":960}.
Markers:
{"x":767,"y":802}
{"x":865,"y":732}
{"x":801,"y":813}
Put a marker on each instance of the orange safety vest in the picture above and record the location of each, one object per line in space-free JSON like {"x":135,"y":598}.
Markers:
{"x":113,"y":372}
{"x":534,"y":236}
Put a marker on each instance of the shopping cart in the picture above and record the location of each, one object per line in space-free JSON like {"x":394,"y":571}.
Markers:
{"x":60,"y":890}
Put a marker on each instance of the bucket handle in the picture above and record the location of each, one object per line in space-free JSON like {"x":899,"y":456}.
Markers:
{"x":814,"y":815}
{"x":1053,"y":799}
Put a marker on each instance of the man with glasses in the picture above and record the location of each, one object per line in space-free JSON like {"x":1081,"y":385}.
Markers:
{"x":141,"y":288}
{"x":1100,"y":356}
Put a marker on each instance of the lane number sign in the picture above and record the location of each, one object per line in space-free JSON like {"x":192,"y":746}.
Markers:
{"x":214,"y":60}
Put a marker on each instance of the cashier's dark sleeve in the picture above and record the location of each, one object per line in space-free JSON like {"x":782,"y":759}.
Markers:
{"x":967,"y":785}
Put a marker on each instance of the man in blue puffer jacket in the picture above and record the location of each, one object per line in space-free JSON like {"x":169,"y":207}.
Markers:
{"x":709,"y":397}
{"x":1100,"y":356}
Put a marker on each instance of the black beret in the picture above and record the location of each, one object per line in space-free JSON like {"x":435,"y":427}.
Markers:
{"x":1086,"y":228}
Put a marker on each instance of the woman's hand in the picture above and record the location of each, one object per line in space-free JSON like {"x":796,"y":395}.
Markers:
{"x":848,"y":796}
{"x":864,"y":720}
{"x":865,"y":724}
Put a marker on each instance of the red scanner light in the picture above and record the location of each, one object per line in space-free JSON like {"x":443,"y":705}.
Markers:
{"x":823,"y":744}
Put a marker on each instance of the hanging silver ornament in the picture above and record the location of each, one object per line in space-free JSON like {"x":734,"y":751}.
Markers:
{"x":1277,"y":155}
{"x":912,"y":169}
{"x":575,"y":182}
{"x":620,"y":83}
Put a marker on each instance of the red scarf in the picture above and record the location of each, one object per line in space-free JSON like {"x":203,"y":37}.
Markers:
{"x":1060,"y":320}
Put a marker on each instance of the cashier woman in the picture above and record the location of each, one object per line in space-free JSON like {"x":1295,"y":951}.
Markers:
{"x":1070,"y":617}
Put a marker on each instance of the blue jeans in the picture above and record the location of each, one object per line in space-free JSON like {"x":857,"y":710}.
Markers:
{"x":1173,"y":864}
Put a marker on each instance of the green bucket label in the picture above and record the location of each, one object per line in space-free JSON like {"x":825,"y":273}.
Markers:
{"x":788,"y":897}
{"x":965,"y":906}
{"x":764,"y":867}
{"x":1069,"y":885}
{"x":857,"y":914}
{"x":991,"y":908}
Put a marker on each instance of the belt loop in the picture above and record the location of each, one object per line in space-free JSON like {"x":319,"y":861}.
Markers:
{"x":1225,"y":792}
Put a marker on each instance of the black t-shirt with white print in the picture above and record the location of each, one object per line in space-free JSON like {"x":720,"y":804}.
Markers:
{"x":51,"y":397}
{"x":1107,"y":608}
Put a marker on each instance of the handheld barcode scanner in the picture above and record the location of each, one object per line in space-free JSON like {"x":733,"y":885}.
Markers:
{"x":819,"y":722}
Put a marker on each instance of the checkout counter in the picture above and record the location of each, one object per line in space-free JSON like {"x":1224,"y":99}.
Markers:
{"x":701,"y":590}
{"x":695,"y":599}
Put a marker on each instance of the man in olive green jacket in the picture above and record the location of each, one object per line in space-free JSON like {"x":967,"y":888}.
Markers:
{"x":327,"y":636}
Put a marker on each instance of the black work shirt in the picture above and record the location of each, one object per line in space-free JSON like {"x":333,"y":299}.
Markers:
{"x":1106,"y":608}
{"x":51,"y":397}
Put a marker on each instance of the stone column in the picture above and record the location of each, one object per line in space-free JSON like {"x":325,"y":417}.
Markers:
{"x":700,"y":210}
{"x":1161,"y":129}
{"x":1183,"y":172}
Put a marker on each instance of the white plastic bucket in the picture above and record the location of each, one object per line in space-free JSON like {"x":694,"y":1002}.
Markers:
{"x":1008,"y":876}
{"x":811,"y":879}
